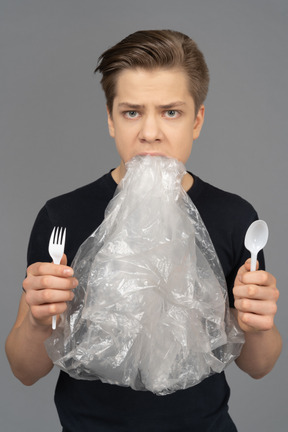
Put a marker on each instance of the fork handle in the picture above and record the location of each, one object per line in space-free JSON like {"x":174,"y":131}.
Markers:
{"x":54,"y":320}
{"x":54,"y":317}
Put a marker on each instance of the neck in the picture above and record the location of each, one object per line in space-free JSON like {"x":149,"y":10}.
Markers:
{"x":118,"y":173}
{"x":187,"y":181}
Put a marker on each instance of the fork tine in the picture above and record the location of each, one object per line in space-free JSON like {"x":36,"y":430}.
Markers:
{"x":56,"y":239}
{"x":60,"y":237}
{"x":64,"y":237}
{"x":51,"y":241}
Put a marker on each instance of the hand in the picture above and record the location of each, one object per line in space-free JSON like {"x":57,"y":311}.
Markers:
{"x":48,"y":287}
{"x":255,"y":296}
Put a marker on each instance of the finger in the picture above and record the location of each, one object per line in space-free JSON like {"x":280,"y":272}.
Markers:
{"x":49,"y":296}
{"x":258,"y":278}
{"x":256,"y":292}
{"x":42,"y":312}
{"x":64,"y":260}
{"x":35,"y":283}
{"x":256,"y":322}
{"x":259,"y":307}
{"x":43,"y":268}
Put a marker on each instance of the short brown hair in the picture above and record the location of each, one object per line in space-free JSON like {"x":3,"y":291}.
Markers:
{"x":152,"y":49}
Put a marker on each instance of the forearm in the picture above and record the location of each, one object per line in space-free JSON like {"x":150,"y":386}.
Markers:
{"x":26,"y":351}
{"x":260,"y":352}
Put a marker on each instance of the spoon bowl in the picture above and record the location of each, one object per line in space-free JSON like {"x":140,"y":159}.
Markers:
{"x":255,"y":239}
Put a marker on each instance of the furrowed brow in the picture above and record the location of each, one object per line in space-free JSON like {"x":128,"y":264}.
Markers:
{"x":172,"y":105}
{"x":130,"y":106}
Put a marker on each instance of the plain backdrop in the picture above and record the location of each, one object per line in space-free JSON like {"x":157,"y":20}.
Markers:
{"x":54,"y":138}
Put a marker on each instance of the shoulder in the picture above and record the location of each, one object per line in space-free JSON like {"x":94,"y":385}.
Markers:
{"x":80,"y":211}
{"x":99,"y":188}
{"x":223,"y":204}
{"x":100,"y":191}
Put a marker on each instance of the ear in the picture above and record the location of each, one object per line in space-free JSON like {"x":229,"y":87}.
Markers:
{"x":198,"y":123}
{"x":110,"y":124}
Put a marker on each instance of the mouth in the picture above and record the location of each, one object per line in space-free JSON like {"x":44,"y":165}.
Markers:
{"x":152,"y":154}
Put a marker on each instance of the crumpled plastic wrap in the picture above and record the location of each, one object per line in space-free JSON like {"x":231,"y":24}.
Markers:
{"x":151,"y":309}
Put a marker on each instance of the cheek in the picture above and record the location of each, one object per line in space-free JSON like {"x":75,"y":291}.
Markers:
{"x":183,"y":140}
{"x":184,"y":150}
{"x":126,"y":136}
{"x":124,"y":144}
{"x":185,"y":155}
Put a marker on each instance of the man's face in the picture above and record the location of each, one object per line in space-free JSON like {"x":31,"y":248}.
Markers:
{"x":153,"y":113}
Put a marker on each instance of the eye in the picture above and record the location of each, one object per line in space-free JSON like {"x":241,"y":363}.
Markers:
{"x":131,"y":114}
{"x":172,"y":113}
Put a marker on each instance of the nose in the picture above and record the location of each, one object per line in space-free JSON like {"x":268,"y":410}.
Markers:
{"x":150,"y":129}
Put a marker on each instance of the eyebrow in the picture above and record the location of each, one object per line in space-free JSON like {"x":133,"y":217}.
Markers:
{"x":132,"y":106}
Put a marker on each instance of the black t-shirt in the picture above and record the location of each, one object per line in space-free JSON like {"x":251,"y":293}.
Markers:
{"x":86,"y":406}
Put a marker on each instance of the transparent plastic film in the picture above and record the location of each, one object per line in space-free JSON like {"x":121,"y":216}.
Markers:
{"x":151,"y":309}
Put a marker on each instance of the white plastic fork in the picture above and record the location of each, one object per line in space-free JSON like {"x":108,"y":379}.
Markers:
{"x":56,"y":250}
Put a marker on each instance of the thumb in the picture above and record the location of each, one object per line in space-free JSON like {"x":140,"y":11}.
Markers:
{"x":248,"y":264}
{"x":240,"y":272}
{"x":64,"y":260}
{"x":244,"y":269}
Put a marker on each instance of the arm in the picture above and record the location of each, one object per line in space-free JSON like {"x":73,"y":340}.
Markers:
{"x":48,"y":287}
{"x":255,"y":308}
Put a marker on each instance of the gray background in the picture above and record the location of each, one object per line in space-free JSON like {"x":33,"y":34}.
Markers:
{"x":54,"y":138}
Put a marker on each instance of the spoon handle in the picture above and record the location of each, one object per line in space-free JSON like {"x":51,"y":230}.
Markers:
{"x":253,"y":261}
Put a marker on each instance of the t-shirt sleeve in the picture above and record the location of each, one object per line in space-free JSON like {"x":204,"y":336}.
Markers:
{"x":39,"y":239}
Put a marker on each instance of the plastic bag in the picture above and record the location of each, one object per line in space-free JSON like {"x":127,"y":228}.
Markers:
{"x":151,"y":309}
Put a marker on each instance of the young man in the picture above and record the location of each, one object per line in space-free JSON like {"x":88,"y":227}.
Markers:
{"x":155,"y":84}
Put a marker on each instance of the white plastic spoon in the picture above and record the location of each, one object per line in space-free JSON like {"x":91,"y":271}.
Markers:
{"x":255,"y":239}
